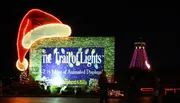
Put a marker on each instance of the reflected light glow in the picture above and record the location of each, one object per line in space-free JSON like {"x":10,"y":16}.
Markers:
{"x":57,"y":81}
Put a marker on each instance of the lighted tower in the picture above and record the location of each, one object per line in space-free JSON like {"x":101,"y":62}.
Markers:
{"x":140,"y":59}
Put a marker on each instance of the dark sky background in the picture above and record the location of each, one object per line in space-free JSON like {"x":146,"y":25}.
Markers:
{"x":157,"y":23}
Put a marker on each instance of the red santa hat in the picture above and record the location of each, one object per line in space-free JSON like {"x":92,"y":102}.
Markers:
{"x":35,"y":21}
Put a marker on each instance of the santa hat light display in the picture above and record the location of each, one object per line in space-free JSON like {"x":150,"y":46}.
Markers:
{"x":35,"y":25}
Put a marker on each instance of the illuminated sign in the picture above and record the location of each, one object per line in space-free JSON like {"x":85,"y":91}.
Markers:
{"x":72,"y":66}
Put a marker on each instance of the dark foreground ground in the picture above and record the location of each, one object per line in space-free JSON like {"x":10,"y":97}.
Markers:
{"x":62,"y":100}
{"x":75,"y":100}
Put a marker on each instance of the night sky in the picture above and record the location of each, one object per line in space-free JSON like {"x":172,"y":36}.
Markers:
{"x":125,"y":20}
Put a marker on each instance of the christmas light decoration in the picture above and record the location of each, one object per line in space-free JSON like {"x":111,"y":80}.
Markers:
{"x":115,"y":93}
{"x":35,"y":55}
{"x":35,"y":25}
{"x":170,"y":89}
{"x":140,"y":59}
{"x":147,"y":89}
{"x":23,"y":76}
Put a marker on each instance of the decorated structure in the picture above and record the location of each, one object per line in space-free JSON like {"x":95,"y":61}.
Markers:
{"x":60,"y":60}
{"x":140,"y":59}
